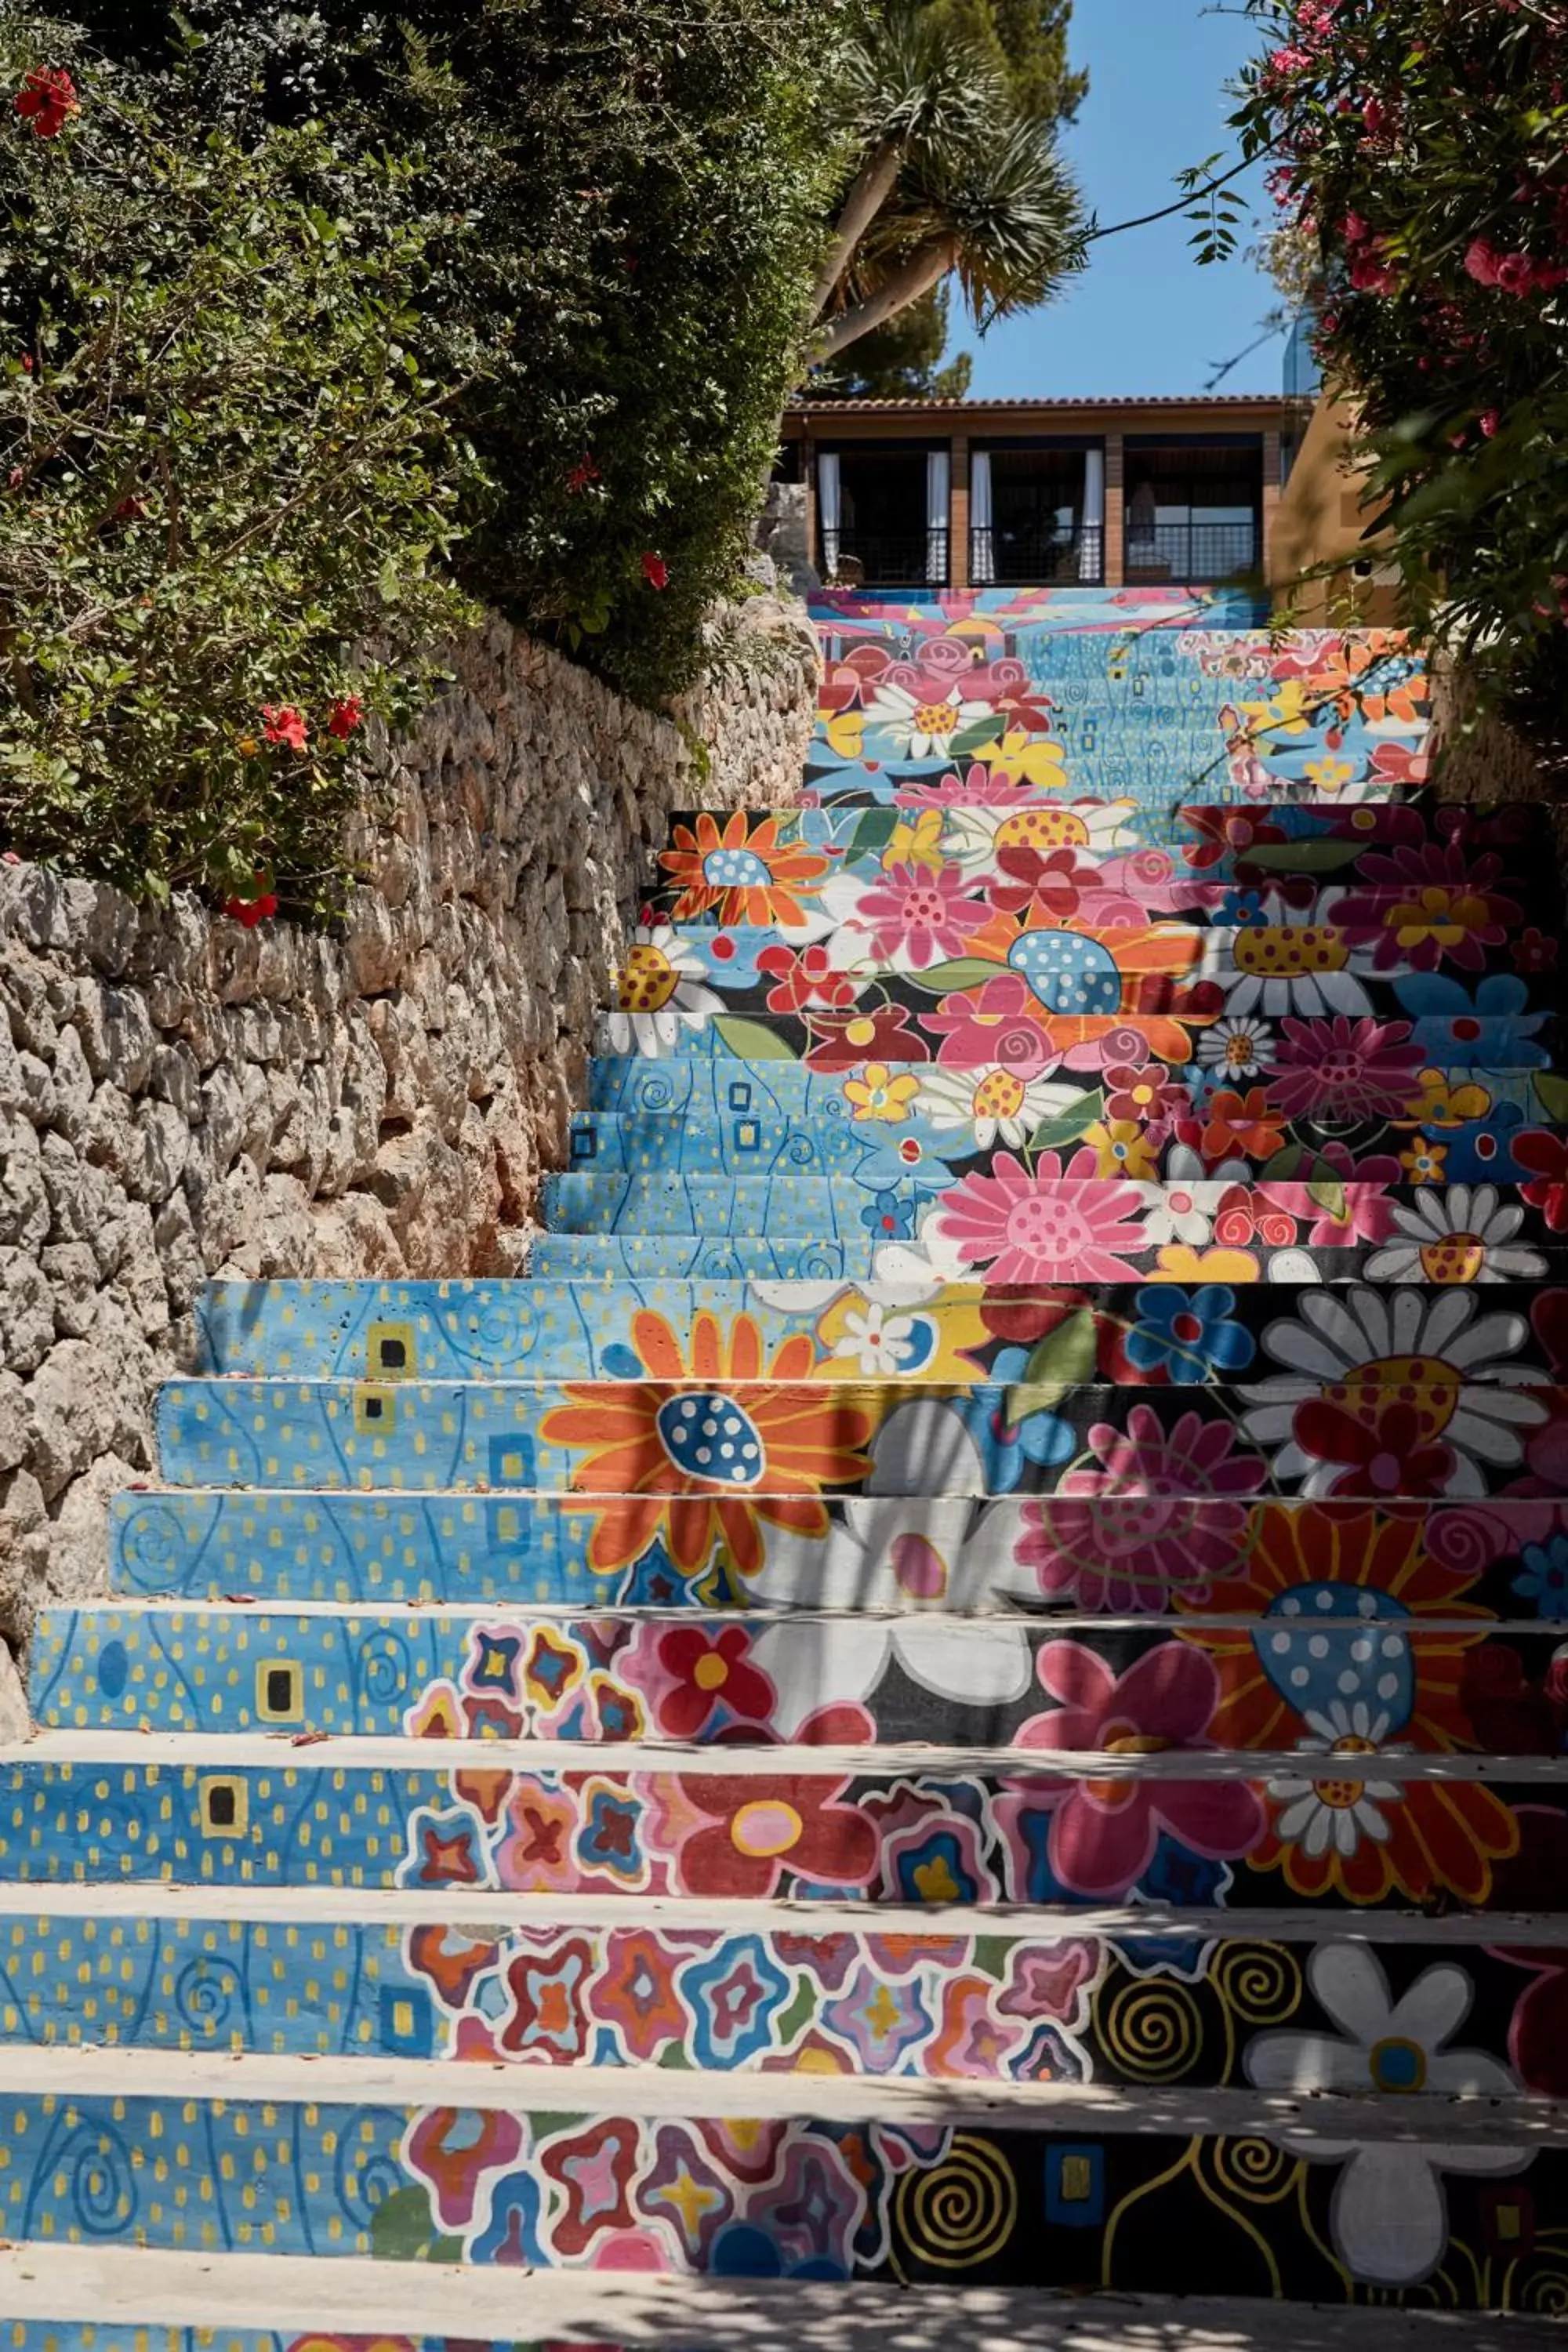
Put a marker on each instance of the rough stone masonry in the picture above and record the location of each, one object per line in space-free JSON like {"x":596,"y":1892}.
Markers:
{"x":180,"y":1096}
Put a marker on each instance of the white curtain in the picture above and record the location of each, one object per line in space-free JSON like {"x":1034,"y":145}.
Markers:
{"x":937,"y":476}
{"x":828,"y":514}
{"x":1091,"y":537}
{"x":983,"y":559}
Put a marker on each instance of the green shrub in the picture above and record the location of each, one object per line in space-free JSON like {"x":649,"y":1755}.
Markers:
{"x":226,"y":475}
{"x":629,"y":199}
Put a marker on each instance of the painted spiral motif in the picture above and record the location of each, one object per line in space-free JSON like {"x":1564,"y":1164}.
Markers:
{"x":1256,"y":2170}
{"x":1152,"y":2032}
{"x":209,"y":1999}
{"x":1260,"y":1983}
{"x":961,"y":2212}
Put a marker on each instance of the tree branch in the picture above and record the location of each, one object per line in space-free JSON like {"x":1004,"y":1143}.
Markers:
{"x":913,"y":277}
{"x":873,"y":185}
{"x":1181,"y":203}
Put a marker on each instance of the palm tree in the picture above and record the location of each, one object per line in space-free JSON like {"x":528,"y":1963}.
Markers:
{"x":953,"y":179}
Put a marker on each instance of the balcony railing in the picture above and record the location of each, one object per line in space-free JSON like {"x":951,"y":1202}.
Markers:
{"x":1036,"y":559}
{"x":1187,"y":551}
{"x":914,"y":558}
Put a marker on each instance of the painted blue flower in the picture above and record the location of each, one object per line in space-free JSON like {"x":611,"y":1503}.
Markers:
{"x":1452,"y":1028}
{"x":1005,"y":1446}
{"x":1243,"y":908}
{"x":911,"y":1153}
{"x":1544,"y":1580}
{"x":889,"y":1219}
{"x":1188,"y":1333}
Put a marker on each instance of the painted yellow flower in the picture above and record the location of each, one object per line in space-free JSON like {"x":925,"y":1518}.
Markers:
{"x":917,"y":844}
{"x":881,"y":1096}
{"x":860,"y":1338}
{"x":1039,"y":761}
{"x":1442,"y":1104}
{"x":1122,"y":1147}
{"x":1186,"y":1264}
{"x":1290,"y":712}
{"x":1330,"y":776}
{"x":1424,"y":1161}
{"x":845,"y":733}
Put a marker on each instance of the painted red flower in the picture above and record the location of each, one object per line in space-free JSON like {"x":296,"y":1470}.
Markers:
{"x":283,"y":724}
{"x":655,"y":569}
{"x":46,"y":100}
{"x":710,"y":1674}
{"x":1040,"y":888}
{"x":762,"y":1825}
{"x":841,"y":1041}
{"x":345,"y":715}
{"x":1544,"y":1157}
{"x":804,"y":978}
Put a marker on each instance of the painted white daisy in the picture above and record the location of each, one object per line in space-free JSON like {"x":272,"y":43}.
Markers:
{"x":658,"y":994}
{"x":1179,"y":1210}
{"x":1388,"y":2219}
{"x":1456,"y":1236}
{"x":995,"y":1102}
{"x":877,"y":1340}
{"x":1277,"y":968}
{"x":1405,"y":1373}
{"x":1322,"y":1809}
{"x":923,"y":730}
{"x":1092,"y":830}
{"x":1239,"y":1047}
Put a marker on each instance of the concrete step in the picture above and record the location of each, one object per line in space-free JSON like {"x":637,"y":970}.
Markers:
{"x":1093,"y":1551}
{"x":1388,"y":1825}
{"x":148,"y":2302}
{"x":1150,"y":1332}
{"x":647,"y":1675}
{"x":1060,"y":1207}
{"x":1458,"y":1034}
{"x":1157,"y":1999}
{"x":1389,"y":1426}
{"x":771,"y":2173}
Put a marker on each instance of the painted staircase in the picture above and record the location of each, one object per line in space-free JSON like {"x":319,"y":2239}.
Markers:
{"x":963,"y":1691}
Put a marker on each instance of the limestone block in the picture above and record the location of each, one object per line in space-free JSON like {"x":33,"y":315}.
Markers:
{"x":69,"y":1272}
{"x":23,"y":1201}
{"x":179,"y":1256}
{"x":26,"y":1311}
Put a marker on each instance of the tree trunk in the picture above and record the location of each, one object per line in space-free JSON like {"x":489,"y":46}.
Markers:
{"x":914,"y":277}
{"x":874,"y":185}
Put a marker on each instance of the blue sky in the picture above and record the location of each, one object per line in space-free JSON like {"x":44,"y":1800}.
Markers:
{"x":1146,"y":318}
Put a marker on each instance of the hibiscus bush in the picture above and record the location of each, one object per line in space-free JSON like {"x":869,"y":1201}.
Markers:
{"x":625,"y":202}
{"x":1421,"y":150}
{"x":225,"y":476}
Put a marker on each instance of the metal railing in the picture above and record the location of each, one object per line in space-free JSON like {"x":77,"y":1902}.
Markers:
{"x":1036,"y":559}
{"x":913,"y":559}
{"x":1190,"y":551}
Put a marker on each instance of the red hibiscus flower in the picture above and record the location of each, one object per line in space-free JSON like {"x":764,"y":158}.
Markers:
{"x":655,"y":569}
{"x":710,"y":1674}
{"x":1545,"y":1157}
{"x":255,"y":908}
{"x":344,"y":716}
{"x":46,"y":100}
{"x":283,"y":724}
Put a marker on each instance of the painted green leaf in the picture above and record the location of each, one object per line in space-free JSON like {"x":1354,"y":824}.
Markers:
{"x":1327,"y":1195}
{"x":401,"y":2228}
{"x":1067,"y":1354}
{"x":963,"y":972}
{"x":1552,"y":1092}
{"x":752,"y":1040}
{"x":1304,"y":856}
{"x":1285,"y":1165}
{"x":975,"y":737}
{"x":1070,"y":1123}
{"x":874,"y":832}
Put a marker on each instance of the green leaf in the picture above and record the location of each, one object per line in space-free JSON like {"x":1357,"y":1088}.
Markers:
{"x":1070,"y":1123}
{"x":1304,"y":856}
{"x":401,"y":2228}
{"x":975,"y":737}
{"x":1551,"y":1093}
{"x":1327,"y":1195}
{"x":753,"y":1041}
{"x":964,"y":972}
{"x":873,"y":833}
{"x":1066,"y":1355}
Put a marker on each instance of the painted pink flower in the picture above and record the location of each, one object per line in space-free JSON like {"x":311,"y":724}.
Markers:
{"x":1000,"y":1026}
{"x":978,"y":788}
{"x":928,"y":916}
{"x":1103,"y":1832}
{"x":1135,"y":1553}
{"x":1192,"y":1457}
{"x":1344,"y":1067}
{"x":1418,"y":905}
{"x":1027,"y":1227}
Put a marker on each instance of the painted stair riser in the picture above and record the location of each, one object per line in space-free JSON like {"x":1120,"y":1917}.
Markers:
{"x":1259,"y":843}
{"x":947,"y":944}
{"x":1153,"y":1331}
{"x":1158,"y":785}
{"x":1058,"y":1220}
{"x":929,"y":1116}
{"x":1091,"y":1553}
{"x":1337,"y":1821}
{"x":1160,"y":2009}
{"x":1447,"y":1027}
{"x":945,"y":1680}
{"x":651,"y":1455}
{"x":907,"y":2204}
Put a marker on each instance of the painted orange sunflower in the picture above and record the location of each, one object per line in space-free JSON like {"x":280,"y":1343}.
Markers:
{"x":1337,"y":1666}
{"x":745,"y":871}
{"x":710,"y":1449}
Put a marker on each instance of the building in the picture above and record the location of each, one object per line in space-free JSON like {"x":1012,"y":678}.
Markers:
{"x":978,"y":493}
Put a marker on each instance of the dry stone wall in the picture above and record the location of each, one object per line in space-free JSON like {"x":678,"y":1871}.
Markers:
{"x":181,"y":1096}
